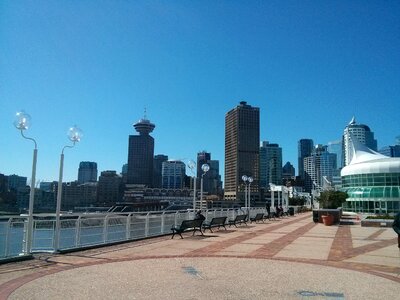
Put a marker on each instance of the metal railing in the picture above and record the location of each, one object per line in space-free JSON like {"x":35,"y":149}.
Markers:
{"x":87,"y":230}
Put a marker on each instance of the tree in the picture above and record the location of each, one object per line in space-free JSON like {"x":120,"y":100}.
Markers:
{"x":332,"y":199}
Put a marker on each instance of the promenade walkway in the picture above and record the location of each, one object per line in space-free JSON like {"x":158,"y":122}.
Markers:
{"x":290,"y":258}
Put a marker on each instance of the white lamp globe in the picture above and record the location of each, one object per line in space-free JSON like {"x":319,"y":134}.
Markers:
{"x":75,"y":134}
{"x":22,"y":120}
{"x":205,"y":168}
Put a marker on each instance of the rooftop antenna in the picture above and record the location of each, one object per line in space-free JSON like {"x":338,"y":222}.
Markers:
{"x":145,"y":113}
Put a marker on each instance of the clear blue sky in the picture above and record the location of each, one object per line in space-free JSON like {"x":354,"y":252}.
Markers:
{"x":309,"y":65}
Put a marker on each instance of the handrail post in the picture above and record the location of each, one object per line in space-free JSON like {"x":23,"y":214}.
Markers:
{"x":7,"y":235}
{"x":128,"y":227}
{"x":146,"y":225}
{"x":162,"y":222}
{"x":105,"y":228}
{"x":78,"y":232}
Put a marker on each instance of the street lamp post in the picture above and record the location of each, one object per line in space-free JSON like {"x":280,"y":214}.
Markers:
{"x":192,"y":166}
{"x":250,"y":180}
{"x":74,"y":135}
{"x":244,"y":178}
{"x":205,"y":168}
{"x":247,"y":182}
{"x":22,"y":122}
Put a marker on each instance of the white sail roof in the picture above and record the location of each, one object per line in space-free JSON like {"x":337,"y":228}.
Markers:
{"x":367,"y":161}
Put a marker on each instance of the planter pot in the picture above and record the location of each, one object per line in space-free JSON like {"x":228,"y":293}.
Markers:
{"x":328,"y":220}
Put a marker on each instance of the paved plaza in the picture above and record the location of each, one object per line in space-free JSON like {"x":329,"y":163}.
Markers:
{"x":289,"y":258}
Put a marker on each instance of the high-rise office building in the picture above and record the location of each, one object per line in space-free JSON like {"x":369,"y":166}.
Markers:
{"x":336,"y":147}
{"x":362,"y":133}
{"x":157,"y":169}
{"x":305,"y":148}
{"x":203,"y":157}
{"x":15,"y":182}
{"x":141,"y":154}
{"x":270,"y":164}
{"x":319,"y":168}
{"x":3,"y":183}
{"x":173,"y":174}
{"x":109,"y":188}
{"x":391,"y":151}
{"x":214,"y":183}
{"x":124,"y":172}
{"x":47,"y":186}
{"x":211,"y":180}
{"x":78,"y":195}
{"x":87,"y":172}
{"x":242,"y":145}
{"x":288,"y":171}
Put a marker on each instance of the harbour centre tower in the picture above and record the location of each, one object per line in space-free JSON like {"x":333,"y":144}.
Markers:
{"x":141,"y":153}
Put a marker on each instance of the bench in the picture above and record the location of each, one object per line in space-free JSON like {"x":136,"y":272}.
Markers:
{"x":240,"y":219}
{"x":187,"y":225}
{"x":258,"y":217}
{"x":215,"y":222}
{"x":269,"y":216}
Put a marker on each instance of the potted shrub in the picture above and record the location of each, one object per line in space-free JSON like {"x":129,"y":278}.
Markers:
{"x":331,"y":200}
{"x":328,"y":219}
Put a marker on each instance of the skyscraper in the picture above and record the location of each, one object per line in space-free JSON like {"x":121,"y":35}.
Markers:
{"x":305,"y":148}
{"x":270,"y":164}
{"x":336,"y":148}
{"x":109,"y":188}
{"x":242,"y":145}
{"x":140,"y":154}
{"x":211,"y":180}
{"x":319,"y":165}
{"x":391,"y":151}
{"x":157,"y":169}
{"x":362,"y":133}
{"x":173,"y":174}
{"x":288,"y":171}
{"x":203,"y":157}
{"x":87,"y":172}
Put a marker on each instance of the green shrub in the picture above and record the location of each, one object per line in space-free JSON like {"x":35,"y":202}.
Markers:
{"x":332,"y":199}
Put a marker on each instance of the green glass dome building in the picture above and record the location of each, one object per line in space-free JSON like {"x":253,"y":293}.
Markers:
{"x":372,"y":181}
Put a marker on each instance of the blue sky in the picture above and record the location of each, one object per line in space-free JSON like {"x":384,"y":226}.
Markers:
{"x":309,"y":65}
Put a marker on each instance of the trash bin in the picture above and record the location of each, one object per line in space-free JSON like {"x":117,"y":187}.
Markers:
{"x":291,"y":211}
{"x":315,"y":216}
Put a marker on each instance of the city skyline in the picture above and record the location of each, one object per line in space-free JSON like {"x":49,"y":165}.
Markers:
{"x":309,"y":67}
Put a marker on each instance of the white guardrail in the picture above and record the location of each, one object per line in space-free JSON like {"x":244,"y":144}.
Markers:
{"x":88,"y":230}
{"x":85,"y":230}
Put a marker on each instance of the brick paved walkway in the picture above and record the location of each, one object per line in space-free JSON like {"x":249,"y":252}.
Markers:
{"x":294,"y":243}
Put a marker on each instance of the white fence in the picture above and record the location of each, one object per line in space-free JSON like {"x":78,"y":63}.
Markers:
{"x":87,"y":230}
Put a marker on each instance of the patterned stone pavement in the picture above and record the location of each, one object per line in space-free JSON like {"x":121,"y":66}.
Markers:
{"x":307,"y":249}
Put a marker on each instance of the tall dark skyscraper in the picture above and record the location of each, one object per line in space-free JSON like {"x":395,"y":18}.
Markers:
{"x":305,"y":148}
{"x":157,"y":169}
{"x":288,"y":171}
{"x":242,"y":145}
{"x":211,"y":180}
{"x":87,"y":172}
{"x":270,"y":164}
{"x":140,"y":154}
{"x":202,"y":158}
